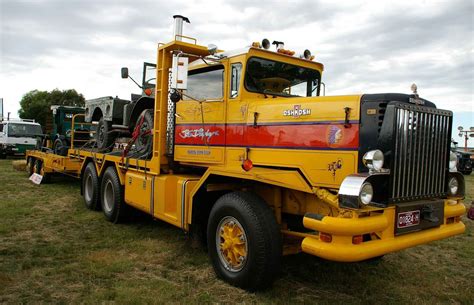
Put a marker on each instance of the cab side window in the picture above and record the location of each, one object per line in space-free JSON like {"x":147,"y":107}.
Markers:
{"x":236,"y":72}
{"x":205,"y":84}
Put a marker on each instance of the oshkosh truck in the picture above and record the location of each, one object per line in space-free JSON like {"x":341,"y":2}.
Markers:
{"x":246,"y":154}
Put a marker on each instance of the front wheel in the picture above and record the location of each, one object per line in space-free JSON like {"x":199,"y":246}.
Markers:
{"x":112,"y":201}
{"x":244,"y":241}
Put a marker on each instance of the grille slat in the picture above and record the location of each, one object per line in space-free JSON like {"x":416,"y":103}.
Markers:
{"x":420,"y":146}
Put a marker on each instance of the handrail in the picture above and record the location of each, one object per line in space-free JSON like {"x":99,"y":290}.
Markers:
{"x":73,"y":129}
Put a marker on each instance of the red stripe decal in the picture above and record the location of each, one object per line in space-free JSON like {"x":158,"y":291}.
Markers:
{"x":319,"y":136}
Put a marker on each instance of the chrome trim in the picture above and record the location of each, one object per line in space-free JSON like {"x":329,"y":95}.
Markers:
{"x":152,"y":197}
{"x":349,"y":191}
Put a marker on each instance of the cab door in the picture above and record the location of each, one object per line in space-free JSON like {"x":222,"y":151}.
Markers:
{"x":200,"y":117}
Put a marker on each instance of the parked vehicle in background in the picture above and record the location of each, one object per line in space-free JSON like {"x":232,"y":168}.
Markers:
{"x":17,"y":136}
{"x":465,"y":159}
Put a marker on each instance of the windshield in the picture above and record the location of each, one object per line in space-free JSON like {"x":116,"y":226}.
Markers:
{"x":279,"y":78}
{"x":149,"y":75}
{"x":23,"y":130}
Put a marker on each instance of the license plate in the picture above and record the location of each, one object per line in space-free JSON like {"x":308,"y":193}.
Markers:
{"x":408,"y":219}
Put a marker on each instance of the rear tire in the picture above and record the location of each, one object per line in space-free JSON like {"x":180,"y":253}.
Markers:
{"x":91,"y":187}
{"x":244,"y":241}
{"x":30,"y":166}
{"x":104,"y":137}
{"x":111,"y":195}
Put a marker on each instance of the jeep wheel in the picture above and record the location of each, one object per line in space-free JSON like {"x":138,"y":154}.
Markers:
{"x":30,"y":166}
{"x":144,"y":141}
{"x":104,"y":136}
{"x":244,"y":241}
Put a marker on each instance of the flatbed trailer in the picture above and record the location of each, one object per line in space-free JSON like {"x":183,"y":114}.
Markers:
{"x":260,"y":171}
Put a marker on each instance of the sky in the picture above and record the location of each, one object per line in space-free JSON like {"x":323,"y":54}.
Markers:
{"x":365,"y":46}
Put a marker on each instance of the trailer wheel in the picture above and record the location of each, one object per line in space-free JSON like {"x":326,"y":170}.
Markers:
{"x":111,"y":192}
{"x":30,"y":166}
{"x":39,"y":169}
{"x":91,"y":187}
{"x":244,"y":241}
{"x":104,"y":136}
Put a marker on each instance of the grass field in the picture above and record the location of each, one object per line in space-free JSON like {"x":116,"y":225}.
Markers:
{"x":54,"y":250}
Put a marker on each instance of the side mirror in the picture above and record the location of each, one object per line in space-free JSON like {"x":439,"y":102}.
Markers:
{"x":124,"y":72}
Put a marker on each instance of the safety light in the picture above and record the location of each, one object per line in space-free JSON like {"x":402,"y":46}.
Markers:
{"x":212,"y":48}
{"x":307,"y":54}
{"x":325,"y":237}
{"x":247,"y":165}
{"x":357,"y":239}
{"x":266,"y":44}
{"x":148,"y":91}
{"x":373,"y":160}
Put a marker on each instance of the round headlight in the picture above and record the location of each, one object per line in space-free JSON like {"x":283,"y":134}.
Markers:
{"x":373,"y":159}
{"x":366,"y":193}
{"x":453,"y":161}
{"x":453,"y":186}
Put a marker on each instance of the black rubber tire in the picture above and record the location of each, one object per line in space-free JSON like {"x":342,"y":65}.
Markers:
{"x":39,"y":169}
{"x":30,"y":164}
{"x":103,"y":136}
{"x":144,"y":143}
{"x":91,"y":187}
{"x":60,"y":147}
{"x":264,"y":243}
{"x":111,"y":196}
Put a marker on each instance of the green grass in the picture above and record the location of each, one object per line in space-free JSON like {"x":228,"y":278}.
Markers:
{"x":54,"y":250}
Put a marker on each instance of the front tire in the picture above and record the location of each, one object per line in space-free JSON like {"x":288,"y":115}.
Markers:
{"x":144,"y":141}
{"x":111,"y":194}
{"x":244,"y":241}
{"x":30,"y":166}
{"x":91,"y":187}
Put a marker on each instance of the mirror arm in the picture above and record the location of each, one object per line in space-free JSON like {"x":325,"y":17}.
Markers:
{"x":135,"y":82}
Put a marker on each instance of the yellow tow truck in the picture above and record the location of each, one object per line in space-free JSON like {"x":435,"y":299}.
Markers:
{"x":246,"y":153}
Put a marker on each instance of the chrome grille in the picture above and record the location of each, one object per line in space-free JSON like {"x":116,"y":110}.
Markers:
{"x":421,"y":151}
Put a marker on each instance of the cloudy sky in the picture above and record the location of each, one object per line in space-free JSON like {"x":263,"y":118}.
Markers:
{"x":366,"y":46}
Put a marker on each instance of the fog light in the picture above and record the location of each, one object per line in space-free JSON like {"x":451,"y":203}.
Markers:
{"x":453,"y":161}
{"x":366,"y":193}
{"x":453,"y":186}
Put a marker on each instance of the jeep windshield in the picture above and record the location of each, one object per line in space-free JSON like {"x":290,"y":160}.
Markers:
{"x":280,"y":78}
{"x":24,"y":130}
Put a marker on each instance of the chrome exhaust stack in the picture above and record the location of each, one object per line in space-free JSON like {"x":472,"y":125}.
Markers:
{"x":178,"y":26}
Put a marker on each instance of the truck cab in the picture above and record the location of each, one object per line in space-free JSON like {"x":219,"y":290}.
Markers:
{"x":18,"y":136}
